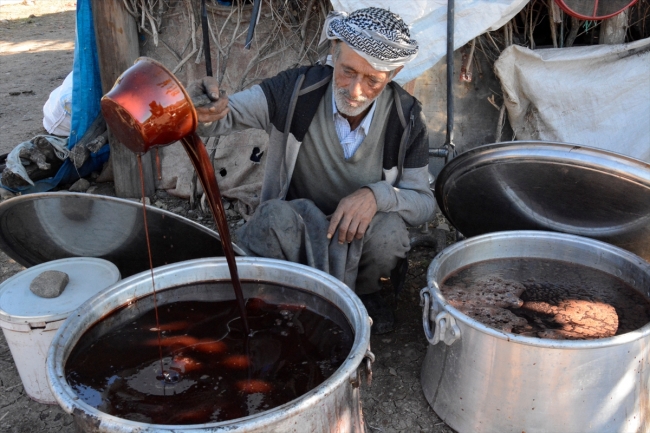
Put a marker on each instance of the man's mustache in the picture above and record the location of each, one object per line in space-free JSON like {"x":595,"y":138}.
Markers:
{"x":344,"y":92}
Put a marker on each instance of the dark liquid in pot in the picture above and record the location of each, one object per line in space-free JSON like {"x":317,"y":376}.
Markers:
{"x":547,"y":299}
{"x":217,"y":373}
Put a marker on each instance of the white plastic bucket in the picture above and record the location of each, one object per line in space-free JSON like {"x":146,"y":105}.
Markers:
{"x":30,"y":322}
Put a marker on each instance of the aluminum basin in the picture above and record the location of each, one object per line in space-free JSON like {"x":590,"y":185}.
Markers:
{"x":333,"y":406}
{"x":479,"y":379}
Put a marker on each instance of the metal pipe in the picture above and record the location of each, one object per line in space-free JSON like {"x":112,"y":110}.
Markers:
{"x":206,"y":39}
{"x":439,"y":152}
{"x":450,"y":73}
{"x":251,"y":26}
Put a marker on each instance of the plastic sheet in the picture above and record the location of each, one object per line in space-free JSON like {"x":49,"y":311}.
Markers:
{"x":428,"y":21}
{"x":86,"y":94}
{"x":598,"y":96}
{"x":57,"y":110}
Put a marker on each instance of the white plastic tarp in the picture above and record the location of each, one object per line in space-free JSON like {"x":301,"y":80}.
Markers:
{"x":57,"y":111}
{"x":428,"y":21}
{"x":597,"y":96}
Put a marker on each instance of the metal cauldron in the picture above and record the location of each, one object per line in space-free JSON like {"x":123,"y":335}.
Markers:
{"x":38,"y":228}
{"x":479,"y":379}
{"x":333,"y":406}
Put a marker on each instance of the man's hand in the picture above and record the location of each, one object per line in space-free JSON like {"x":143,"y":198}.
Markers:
{"x":215,"y":110}
{"x":353,"y":215}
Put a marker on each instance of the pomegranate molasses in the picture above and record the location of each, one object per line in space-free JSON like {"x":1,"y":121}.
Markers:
{"x":201,"y":160}
{"x":547,"y":299}
{"x":216,"y":372}
{"x":148,"y":107}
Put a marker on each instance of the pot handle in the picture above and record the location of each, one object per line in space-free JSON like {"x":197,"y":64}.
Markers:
{"x":366,"y":367}
{"x":445,"y":330}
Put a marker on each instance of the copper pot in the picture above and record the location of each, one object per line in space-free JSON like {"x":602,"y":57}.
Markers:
{"x":148,"y":107}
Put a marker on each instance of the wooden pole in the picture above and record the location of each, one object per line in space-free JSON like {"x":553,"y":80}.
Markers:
{"x":613,"y":30}
{"x":117,"y":49}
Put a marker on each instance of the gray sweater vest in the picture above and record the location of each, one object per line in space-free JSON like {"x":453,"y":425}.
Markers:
{"x":322,"y":174}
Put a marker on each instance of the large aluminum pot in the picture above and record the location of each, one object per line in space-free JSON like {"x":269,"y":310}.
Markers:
{"x":479,"y":379}
{"x":333,"y":406}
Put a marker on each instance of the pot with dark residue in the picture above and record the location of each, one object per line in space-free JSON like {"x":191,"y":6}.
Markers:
{"x":481,"y":379}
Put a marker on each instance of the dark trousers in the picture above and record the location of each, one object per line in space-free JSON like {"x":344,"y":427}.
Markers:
{"x":296,"y":231}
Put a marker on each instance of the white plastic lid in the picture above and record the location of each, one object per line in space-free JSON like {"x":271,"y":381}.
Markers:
{"x":88,"y":276}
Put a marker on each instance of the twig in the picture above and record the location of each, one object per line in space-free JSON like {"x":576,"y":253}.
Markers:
{"x":142,"y":14}
{"x":500,"y":123}
{"x":193,"y":35}
{"x":466,"y":70}
{"x":310,"y":4}
{"x":495,"y":44}
{"x":531,"y":27}
{"x":128,"y":9}
{"x":490,"y":99}
{"x":153,"y":25}
{"x":199,"y":55}
{"x":575,"y":26}
{"x":551,"y":20}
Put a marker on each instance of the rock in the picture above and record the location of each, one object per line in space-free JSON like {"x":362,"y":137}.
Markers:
{"x":81,"y":185}
{"x":106,"y":188}
{"x":443,"y":226}
{"x":6,"y":194}
{"x":49,"y":284}
{"x":79,"y":155}
{"x":106,"y":174}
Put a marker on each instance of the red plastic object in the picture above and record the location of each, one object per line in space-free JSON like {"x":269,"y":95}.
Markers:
{"x":594,"y":9}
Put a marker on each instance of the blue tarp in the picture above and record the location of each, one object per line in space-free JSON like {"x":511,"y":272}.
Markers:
{"x":86,"y":95}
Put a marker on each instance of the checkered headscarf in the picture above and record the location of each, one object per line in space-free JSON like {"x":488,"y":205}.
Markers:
{"x":379,"y":36}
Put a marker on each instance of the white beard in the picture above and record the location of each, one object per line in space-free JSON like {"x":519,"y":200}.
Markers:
{"x":341,"y":96}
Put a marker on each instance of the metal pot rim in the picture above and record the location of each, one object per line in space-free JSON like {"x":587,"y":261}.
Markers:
{"x":436,"y":264}
{"x":70,"y":402}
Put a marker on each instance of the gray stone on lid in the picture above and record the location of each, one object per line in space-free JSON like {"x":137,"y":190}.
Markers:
{"x":49,"y":284}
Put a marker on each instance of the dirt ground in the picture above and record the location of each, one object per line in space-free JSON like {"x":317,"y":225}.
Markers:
{"x":36,"y":53}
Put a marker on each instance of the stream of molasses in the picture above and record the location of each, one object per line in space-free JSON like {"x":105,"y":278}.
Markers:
{"x":191,"y":354}
{"x":197,"y":153}
{"x":201,"y":160}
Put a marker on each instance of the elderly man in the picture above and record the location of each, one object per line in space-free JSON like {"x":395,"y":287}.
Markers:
{"x":347,"y":160}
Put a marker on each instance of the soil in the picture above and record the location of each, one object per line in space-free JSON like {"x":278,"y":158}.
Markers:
{"x":36,"y":54}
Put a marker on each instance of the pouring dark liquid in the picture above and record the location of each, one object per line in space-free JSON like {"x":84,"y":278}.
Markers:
{"x":201,"y":161}
{"x":205,"y":363}
{"x":149,"y":107}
